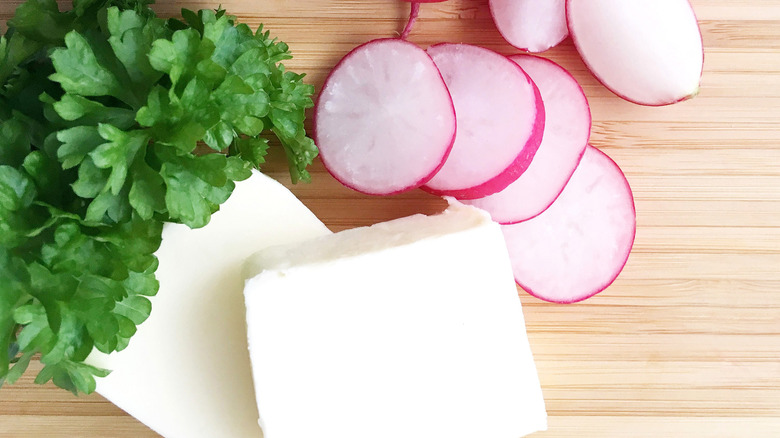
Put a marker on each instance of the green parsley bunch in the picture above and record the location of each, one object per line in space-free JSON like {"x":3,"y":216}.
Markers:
{"x":102,"y":109}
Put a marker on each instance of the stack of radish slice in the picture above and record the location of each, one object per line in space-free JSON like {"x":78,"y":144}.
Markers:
{"x":506,"y":134}
{"x":566,"y":133}
{"x":500,"y":118}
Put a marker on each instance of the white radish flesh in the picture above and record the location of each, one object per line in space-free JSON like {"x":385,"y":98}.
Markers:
{"x":566,"y":133}
{"x":500,"y":119}
{"x":647,"y":52}
{"x":384,"y":120}
{"x":579,"y":245}
{"x":531,"y":25}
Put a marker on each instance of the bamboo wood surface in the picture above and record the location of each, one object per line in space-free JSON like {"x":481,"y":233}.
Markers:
{"x":686,"y":343}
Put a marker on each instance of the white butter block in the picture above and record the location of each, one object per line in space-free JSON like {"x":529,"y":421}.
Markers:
{"x":410,"y":328}
{"x":186,"y":372}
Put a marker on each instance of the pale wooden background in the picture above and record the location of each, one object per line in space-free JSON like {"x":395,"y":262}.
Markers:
{"x":687,"y":342}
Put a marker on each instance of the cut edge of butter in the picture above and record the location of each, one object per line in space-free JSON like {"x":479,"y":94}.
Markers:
{"x":368,"y":239}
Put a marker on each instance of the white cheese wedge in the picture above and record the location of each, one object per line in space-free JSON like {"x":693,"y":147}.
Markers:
{"x":186,"y":372}
{"x":410,"y":328}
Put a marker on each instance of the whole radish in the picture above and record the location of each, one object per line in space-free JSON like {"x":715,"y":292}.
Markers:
{"x":530,"y":25}
{"x":647,"y":52}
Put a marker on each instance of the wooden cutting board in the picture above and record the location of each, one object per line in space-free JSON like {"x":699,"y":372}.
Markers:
{"x":687,"y":342}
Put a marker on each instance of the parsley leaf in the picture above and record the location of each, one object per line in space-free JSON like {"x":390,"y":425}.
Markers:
{"x":79,"y":72}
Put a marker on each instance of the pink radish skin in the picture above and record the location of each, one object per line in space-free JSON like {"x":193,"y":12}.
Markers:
{"x":648,"y":53}
{"x":531,"y":25}
{"x":384,"y":121}
{"x":566,"y":133}
{"x":578,"y":246}
{"x":500,"y":117}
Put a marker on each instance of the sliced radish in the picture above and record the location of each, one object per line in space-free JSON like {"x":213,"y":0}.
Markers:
{"x":500,"y":119}
{"x":647,"y":52}
{"x":384,"y":121}
{"x":531,"y":25}
{"x":579,"y":245}
{"x":566,"y":133}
